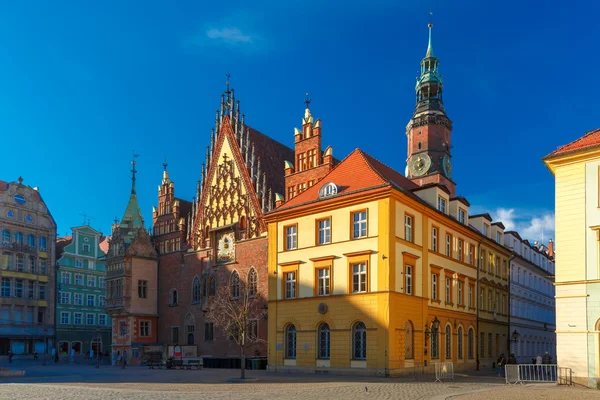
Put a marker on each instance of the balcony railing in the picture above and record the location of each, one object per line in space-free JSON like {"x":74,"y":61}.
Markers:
{"x":19,"y":247}
{"x":117,"y":302}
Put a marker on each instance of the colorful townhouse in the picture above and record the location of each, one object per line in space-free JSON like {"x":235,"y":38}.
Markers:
{"x":82,"y":323}
{"x":576,"y":168}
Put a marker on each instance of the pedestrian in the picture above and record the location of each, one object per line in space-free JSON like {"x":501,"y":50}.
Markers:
{"x":35,"y":355}
{"x":118,"y":357}
{"x":501,"y":362}
{"x":512,"y":359}
{"x":546,"y":359}
{"x":10,"y":356}
{"x":124,"y":359}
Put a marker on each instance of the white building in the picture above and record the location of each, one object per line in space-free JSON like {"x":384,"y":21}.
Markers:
{"x":532,"y":303}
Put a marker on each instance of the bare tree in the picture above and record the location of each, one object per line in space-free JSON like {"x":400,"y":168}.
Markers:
{"x":236,"y":311}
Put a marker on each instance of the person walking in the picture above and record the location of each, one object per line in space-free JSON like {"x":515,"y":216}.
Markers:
{"x":35,"y":355}
{"x":501,"y":362}
{"x":124,"y":359}
{"x":10,"y":356}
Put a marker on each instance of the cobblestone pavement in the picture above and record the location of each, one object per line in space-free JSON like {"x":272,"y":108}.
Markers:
{"x":78,"y":382}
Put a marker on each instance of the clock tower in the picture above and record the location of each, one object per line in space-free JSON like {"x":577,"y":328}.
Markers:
{"x":428,"y":132}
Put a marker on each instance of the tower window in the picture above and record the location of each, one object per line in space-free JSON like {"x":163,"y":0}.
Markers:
{"x":419,"y":145}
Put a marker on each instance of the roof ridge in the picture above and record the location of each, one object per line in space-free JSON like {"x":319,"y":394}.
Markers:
{"x":363,"y":154}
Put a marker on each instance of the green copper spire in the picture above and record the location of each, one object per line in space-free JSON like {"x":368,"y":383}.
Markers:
{"x":132,"y":219}
{"x":429,"y":46}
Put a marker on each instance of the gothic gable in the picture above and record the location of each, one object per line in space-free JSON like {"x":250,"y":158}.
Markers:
{"x":141,"y":246}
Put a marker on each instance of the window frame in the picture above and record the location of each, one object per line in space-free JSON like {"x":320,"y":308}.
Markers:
{"x":442,"y":205}
{"x":409,"y":227}
{"x":284,"y":281}
{"x":359,"y":328}
{"x":323,"y":341}
{"x":359,"y":223}
{"x":448,"y":245}
{"x":145,"y":326}
{"x":288,"y":236}
{"x":462,"y":215}
{"x":435,"y":239}
{"x":326,"y":230}
{"x":435,"y":276}
{"x":359,"y":274}
{"x":318,"y":279}
{"x":409,"y":279}
{"x":290,"y":346}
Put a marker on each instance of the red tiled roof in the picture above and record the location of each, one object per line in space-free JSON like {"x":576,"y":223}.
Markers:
{"x":104,"y":243}
{"x":61,"y":243}
{"x":356,"y":173}
{"x":591,"y":139}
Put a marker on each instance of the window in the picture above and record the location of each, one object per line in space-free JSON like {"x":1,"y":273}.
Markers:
{"x":460,"y":293}
{"x":173,"y":297}
{"x":175,"y":334}
{"x":489,"y":344}
{"x":102,"y":319}
{"x":145,"y":328}
{"x":461,"y":216}
{"x":359,"y":341}
{"x":209,"y":330}
{"x":291,"y":237}
{"x":481,"y":298}
{"x":290,"y":285}
{"x":408,"y":228}
{"x":470,"y":345}
{"x":486,"y":229}
{"x":6,"y":287}
{"x":20,"y":263}
{"x":359,"y":224}
{"x":86,"y":248}
{"x":489,"y":305}
{"x":449,"y":245}
{"x":212,"y":287}
{"x":434,"y":286}
{"x":498,"y":237}
{"x":19,"y":238}
{"x":78,"y":299}
{"x":235,"y":285}
{"x":43,"y":266}
{"x":31,"y":240}
{"x":102,"y":283}
{"x":7,"y":260}
{"x":442,"y":204}
{"x":496,"y":303}
{"x":91,"y":300}
{"x":91,"y":282}
{"x":252,"y":330}
{"x":459,"y":343}
{"x":408,"y":279}
{"x":78,"y":318}
{"x":142,"y":289}
{"x":324,"y":341}
{"x":42,"y":291}
{"x":460,"y":250}
{"x":448,"y":290}
{"x":252,"y":282}
{"x":31,"y":290}
{"x":65,"y":278}
{"x":448,"y":337}
{"x":409,"y":353}
{"x":43,"y":244}
{"x":502,"y":305}
{"x":434,"y":239}
{"x":497,"y":266}
{"x":196,"y":290}
{"x":481,"y":343}
{"x":324,"y":229}
{"x":91,"y":265}
{"x":323,"y":281}
{"x":329,"y":189}
{"x":5,"y":236}
{"x":19,"y":288}
{"x":290,"y":341}
{"x":435,"y":343}
{"x":64,"y":318}
{"x":41,"y":315}
{"x":471,"y":252}
{"x":79,"y":279}
{"x":101,"y":301}
{"x":359,"y":278}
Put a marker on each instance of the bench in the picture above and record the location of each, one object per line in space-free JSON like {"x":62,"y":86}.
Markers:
{"x":154,"y":363}
{"x":194,"y":363}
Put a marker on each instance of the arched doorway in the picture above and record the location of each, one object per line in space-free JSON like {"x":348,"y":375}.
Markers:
{"x":96,"y":345}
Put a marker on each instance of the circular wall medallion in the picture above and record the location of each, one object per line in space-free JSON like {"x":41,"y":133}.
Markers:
{"x":28,"y":218}
{"x":19,"y":199}
{"x":322,"y":308}
{"x":10,"y":214}
{"x":86,"y":240}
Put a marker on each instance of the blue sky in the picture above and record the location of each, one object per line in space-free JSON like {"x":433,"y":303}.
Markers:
{"x":85,"y":83}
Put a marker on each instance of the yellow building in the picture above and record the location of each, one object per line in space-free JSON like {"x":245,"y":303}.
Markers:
{"x":361,"y":265}
{"x":576,"y":168}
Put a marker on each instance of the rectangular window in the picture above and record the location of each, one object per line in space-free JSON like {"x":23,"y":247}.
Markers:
{"x":91,"y":281}
{"x":323,"y":280}
{"x":481,"y":298}
{"x":291,"y":237}
{"x":408,"y":279}
{"x":408,"y":228}
{"x":434,"y":286}
{"x":41,"y":315}
{"x":79,"y":263}
{"x":459,"y":300}
{"x":481,"y":343}
{"x":65,"y":278}
{"x":102,"y":319}
{"x":496,"y":305}
{"x":86,"y":248}
{"x":434,"y":239}
{"x":252,"y":331}
{"x":448,"y":290}
{"x":489,"y":305}
{"x":19,"y":288}
{"x":209,"y":330}
{"x":461,"y":216}
{"x":31,"y":290}
{"x":486,"y":229}
{"x":64,"y":318}
{"x":359,"y":278}
{"x":324,"y":227}
{"x":503,"y":305}
{"x":290,"y":285}
{"x":6,"y":287}
{"x":449,"y":245}
{"x":471,"y":290}
{"x":91,"y":319}
{"x":78,"y":299}
{"x":42,"y":291}
{"x":471,"y":254}
{"x":174,"y":334}
{"x":102,"y":283}
{"x":442,"y":204}
{"x":91,"y":300}
{"x":101,"y":301}
{"x":65,"y":298}
{"x":43,"y":266}
{"x":91,"y":265}
{"x":489,"y":343}
{"x":460,"y":250}
{"x":78,"y":318}
{"x":79,"y":279}
{"x":498,"y":237}
{"x":142,"y":289}
{"x":145,"y":328}
{"x":359,"y":224}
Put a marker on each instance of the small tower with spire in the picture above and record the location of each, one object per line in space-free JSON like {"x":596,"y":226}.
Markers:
{"x":310,"y":163}
{"x":428,"y":132}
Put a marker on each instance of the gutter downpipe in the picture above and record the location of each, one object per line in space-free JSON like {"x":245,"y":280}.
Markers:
{"x":477,"y":305}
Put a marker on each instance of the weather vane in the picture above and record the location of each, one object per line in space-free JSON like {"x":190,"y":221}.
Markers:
{"x":307,"y":100}
{"x":165,"y":164}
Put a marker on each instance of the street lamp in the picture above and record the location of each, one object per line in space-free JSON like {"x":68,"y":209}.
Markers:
{"x":98,"y":346}
{"x":45,"y":346}
{"x":435,"y":325}
{"x":515,"y":338}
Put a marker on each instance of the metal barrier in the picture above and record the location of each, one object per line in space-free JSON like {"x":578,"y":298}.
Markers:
{"x":444,"y":371}
{"x":539,"y":373}
{"x":565,"y":376}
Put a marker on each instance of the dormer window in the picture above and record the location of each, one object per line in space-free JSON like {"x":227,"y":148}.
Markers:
{"x":486,"y":229}
{"x":329,"y":189}
{"x":442,"y":204}
{"x":498,"y":237}
{"x":461,"y":215}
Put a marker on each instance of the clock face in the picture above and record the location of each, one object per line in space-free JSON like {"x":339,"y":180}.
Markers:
{"x":419,"y":165}
{"x":225,"y":251}
{"x":447,"y":165}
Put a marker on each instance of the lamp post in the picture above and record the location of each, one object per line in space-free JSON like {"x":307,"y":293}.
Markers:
{"x":435,"y":325}
{"x":515,"y":338}
{"x":98,"y":346}
{"x":45,"y":346}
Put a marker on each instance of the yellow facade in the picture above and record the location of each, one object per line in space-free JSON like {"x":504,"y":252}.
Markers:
{"x":398,"y":306}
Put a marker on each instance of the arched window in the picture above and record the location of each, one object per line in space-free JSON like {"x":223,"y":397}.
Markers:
{"x":31,"y":240}
{"x":5,"y":236}
{"x":290,"y":341}
{"x":359,"y":341}
{"x":204,"y":286}
{"x":19,"y":238}
{"x":196,"y":290}
{"x":43,"y":244}
{"x":212,"y":288}
{"x":174,"y":297}
{"x":459,"y":344}
{"x":7,"y":260}
{"x":448,"y":343}
{"x":409,"y":353}
{"x":235,"y":285}
{"x":252,"y":282}
{"x":324,"y":336}
{"x":470,"y":344}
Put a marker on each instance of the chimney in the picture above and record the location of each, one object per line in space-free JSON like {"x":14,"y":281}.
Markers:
{"x":550,"y":248}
